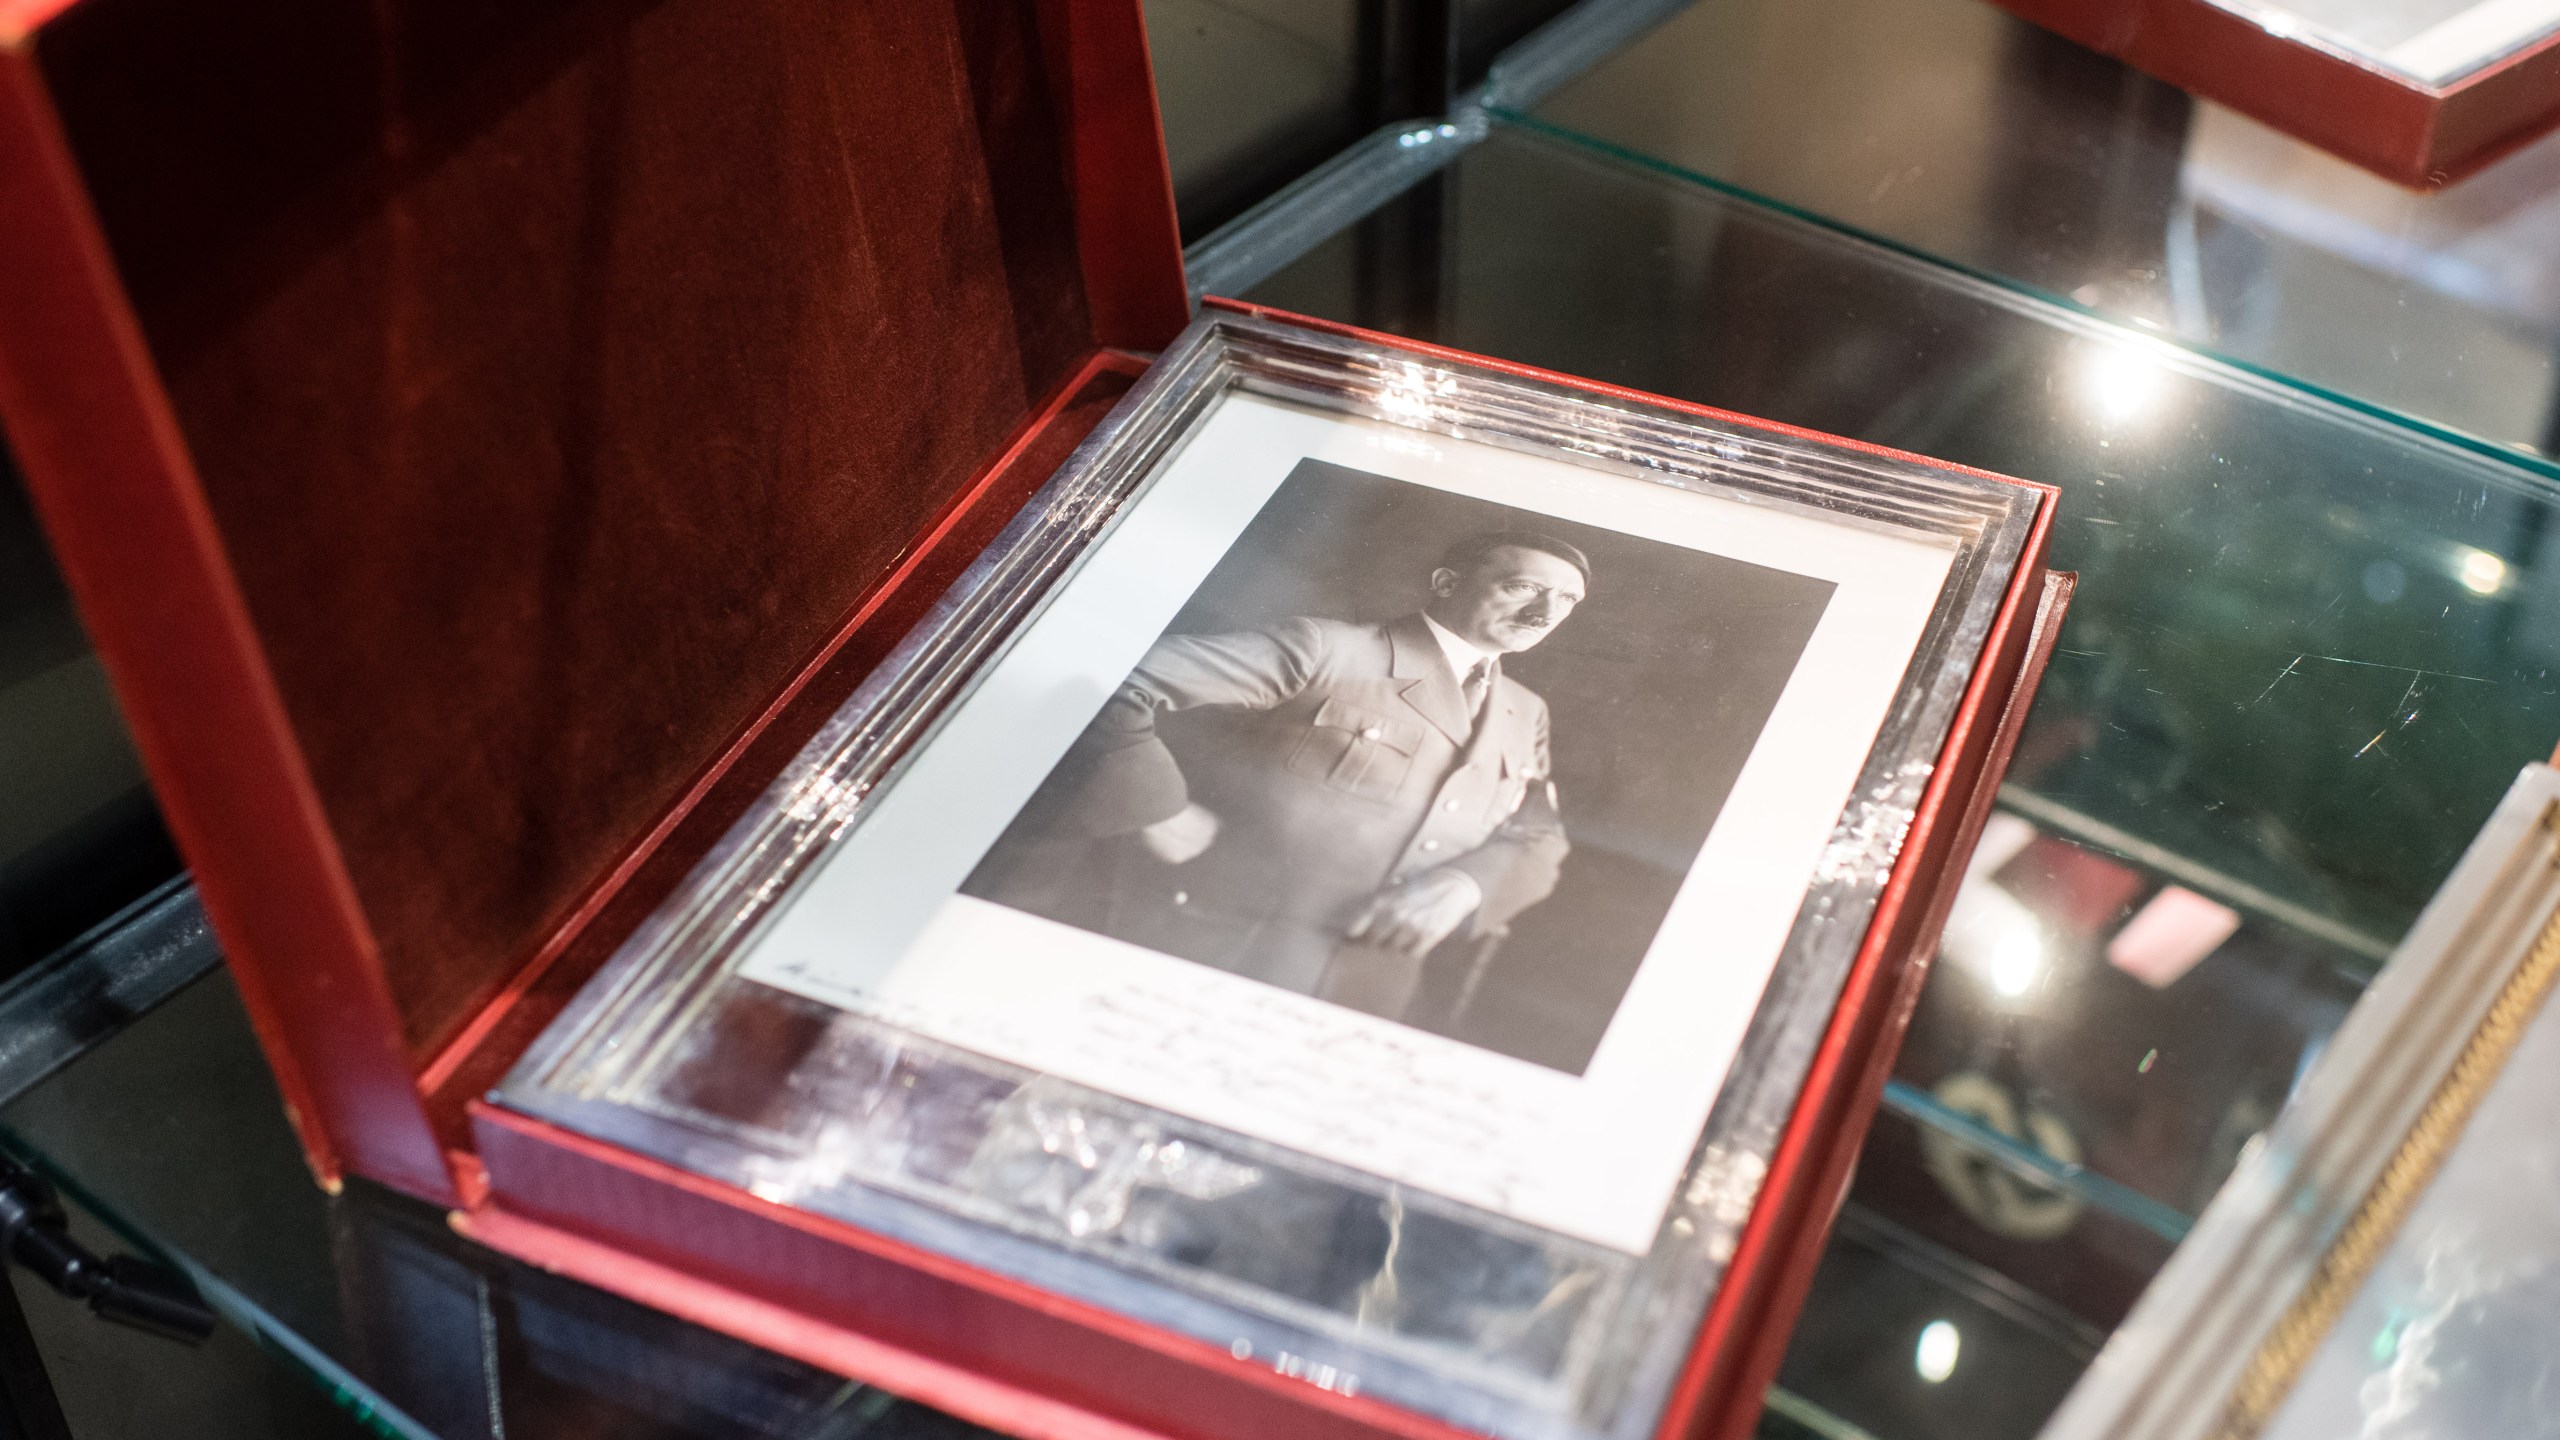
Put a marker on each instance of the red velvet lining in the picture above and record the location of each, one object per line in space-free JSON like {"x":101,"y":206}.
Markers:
{"x":482,"y":1055}
{"x":560,"y":373}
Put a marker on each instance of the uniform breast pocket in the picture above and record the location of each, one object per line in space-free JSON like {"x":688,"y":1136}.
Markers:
{"x":1357,"y":751}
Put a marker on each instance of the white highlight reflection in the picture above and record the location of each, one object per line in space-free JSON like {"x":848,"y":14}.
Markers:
{"x":2480,"y":572}
{"x":1999,"y":939}
{"x":2121,"y":381}
{"x":2017,"y":958}
{"x":1935,"y":1358}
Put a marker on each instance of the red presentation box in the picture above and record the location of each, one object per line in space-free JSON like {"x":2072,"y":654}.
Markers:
{"x":487,"y":441}
{"x":2424,"y":111}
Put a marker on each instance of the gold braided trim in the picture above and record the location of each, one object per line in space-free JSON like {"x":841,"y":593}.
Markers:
{"x":2341,"y":1272}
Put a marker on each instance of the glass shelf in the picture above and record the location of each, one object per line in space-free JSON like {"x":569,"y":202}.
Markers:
{"x":2312,"y":645}
{"x":1958,"y":131}
{"x":172,"y":1132}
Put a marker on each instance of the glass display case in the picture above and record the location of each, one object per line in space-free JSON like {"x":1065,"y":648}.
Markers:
{"x":2297,"y":418}
{"x":2166,"y":751}
{"x":1958,"y":131}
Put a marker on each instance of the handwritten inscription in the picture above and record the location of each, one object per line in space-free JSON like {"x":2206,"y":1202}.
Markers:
{"x":1310,"y":1075}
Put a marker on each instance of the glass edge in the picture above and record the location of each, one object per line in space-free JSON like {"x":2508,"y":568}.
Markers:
{"x":364,"y":1403}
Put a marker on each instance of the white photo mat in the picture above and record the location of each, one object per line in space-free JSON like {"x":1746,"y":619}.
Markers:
{"x":879,"y":928}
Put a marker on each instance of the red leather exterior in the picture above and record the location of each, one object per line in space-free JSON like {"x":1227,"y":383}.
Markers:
{"x":2418,"y":136}
{"x":1131,"y":243}
{"x":2508,"y":105}
{"x":105,"y":464}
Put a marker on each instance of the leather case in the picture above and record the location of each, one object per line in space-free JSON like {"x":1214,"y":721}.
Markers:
{"x":486,"y":438}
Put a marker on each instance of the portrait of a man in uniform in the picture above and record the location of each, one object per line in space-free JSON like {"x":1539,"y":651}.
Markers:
{"x":1377,"y":790}
{"x":1416,"y":754}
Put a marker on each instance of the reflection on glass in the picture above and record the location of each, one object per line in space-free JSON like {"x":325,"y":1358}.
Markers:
{"x":2016,"y":960}
{"x":1253,"y":92}
{"x":1963,"y":132}
{"x":2121,"y":382}
{"x":1996,"y":939}
{"x":2174,"y":931}
{"x":2270,"y":593}
{"x":1935,"y":1357}
{"x":2480,"y":572}
{"x":2430,"y":41}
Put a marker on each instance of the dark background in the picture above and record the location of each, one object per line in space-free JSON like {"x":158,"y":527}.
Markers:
{"x":1657,"y":688}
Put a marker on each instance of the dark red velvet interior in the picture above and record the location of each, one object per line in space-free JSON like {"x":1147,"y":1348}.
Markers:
{"x":480,"y":1060}
{"x":561,"y":372}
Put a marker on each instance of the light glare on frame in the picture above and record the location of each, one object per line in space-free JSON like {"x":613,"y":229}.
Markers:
{"x":1411,"y":390}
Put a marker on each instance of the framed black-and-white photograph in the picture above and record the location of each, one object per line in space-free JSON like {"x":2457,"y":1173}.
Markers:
{"x":1269,"y":654}
{"x":1342,"y":769}
{"x":1373,"y":825}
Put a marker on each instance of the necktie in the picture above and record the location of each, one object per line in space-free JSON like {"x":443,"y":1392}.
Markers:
{"x":1479,"y":680}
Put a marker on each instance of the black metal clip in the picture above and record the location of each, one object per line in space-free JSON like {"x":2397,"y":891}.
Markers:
{"x":126,"y":1289}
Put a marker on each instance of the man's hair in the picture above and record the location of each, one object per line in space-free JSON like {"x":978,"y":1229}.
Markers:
{"x":1463,"y":556}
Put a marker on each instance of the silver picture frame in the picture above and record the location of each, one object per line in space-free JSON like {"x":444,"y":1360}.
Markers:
{"x":1470,"y":1317}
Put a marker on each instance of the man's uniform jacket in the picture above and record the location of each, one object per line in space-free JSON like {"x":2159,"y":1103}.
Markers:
{"x":1337,"y":757}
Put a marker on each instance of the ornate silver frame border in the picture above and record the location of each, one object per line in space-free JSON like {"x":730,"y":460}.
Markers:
{"x":592,"y":1068}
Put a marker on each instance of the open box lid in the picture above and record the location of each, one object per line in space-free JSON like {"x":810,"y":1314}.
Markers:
{"x":460,"y":420}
